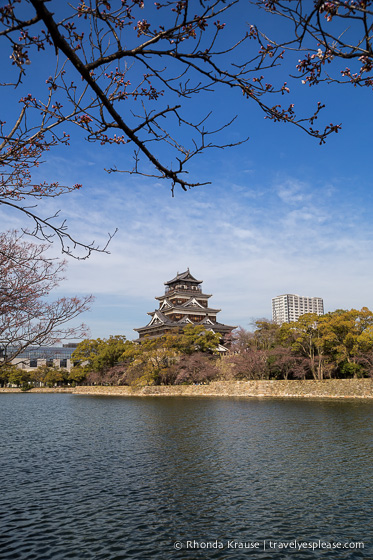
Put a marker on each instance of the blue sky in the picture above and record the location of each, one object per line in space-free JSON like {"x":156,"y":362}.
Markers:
{"x":282,"y":215}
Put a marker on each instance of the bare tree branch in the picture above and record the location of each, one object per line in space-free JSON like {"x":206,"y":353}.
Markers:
{"x":114,"y":64}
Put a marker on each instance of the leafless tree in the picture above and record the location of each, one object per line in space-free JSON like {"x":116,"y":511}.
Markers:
{"x":27,"y":316}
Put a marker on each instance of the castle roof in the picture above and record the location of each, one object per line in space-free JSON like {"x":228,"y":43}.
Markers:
{"x":159,"y":319}
{"x":185,"y":277}
{"x":190,"y":304}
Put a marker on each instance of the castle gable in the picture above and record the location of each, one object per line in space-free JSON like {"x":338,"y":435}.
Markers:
{"x":185,"y":321}
{"x":157,"y":319}
{"x":192,"y":302}
{"x":165,"y":305}
{"x":207,"y":321}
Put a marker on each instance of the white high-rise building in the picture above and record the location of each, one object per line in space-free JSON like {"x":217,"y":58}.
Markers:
{"x":289,"y":307}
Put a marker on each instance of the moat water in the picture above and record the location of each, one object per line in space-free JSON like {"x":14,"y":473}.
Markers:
{"x":111,"y":478}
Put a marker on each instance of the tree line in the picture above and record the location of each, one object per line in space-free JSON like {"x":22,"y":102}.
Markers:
{"x":176,"y":358}
{"x":338,"y":344}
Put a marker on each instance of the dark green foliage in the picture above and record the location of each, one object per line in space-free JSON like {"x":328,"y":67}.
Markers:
{"x":348,"y":369}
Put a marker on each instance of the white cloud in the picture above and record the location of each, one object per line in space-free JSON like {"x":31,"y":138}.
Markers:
{"x":292,"y":191}
{"x":246,"y":250}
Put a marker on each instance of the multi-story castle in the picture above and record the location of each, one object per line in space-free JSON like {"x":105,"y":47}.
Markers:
{"x":183,"y":303}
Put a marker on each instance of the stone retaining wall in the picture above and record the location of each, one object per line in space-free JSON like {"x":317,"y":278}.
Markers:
{"x":330,"y":389}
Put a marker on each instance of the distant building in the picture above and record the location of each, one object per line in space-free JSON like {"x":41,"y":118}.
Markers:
{"x":51,"y":356}
{"x":289,"y":307}
{"x":183,"y":304}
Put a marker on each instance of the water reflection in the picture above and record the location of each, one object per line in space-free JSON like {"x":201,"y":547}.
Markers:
{"x":112,"y":478}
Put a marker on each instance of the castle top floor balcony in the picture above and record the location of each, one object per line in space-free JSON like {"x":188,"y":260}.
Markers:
{"x":184,"y":288}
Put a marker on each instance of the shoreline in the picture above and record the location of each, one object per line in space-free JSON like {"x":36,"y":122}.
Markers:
{"x":302,"y":389}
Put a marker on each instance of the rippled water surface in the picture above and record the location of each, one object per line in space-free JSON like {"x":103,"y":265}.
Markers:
{"x":114,"y":478}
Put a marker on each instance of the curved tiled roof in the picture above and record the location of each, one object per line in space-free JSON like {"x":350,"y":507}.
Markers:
{"x":184,"y":276}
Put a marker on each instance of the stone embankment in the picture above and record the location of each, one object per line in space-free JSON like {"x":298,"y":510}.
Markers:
{"x":329,"y":389}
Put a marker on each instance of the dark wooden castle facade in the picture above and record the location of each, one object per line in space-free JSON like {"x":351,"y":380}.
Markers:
{"x":183,"y":303}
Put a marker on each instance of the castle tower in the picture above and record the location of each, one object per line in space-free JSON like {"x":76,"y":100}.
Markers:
{"x":183,"y":303}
